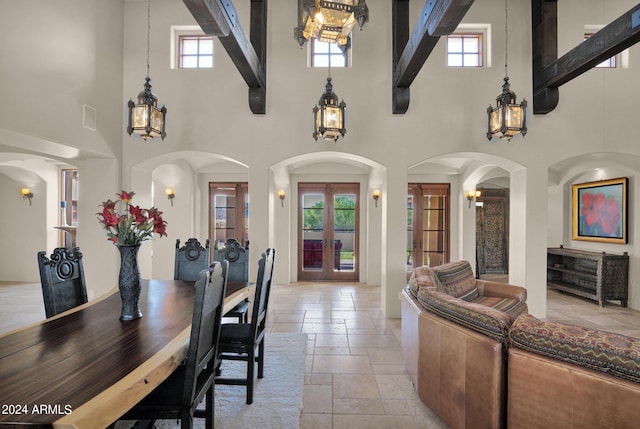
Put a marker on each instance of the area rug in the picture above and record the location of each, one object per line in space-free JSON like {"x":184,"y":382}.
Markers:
{"x":277,"y":398}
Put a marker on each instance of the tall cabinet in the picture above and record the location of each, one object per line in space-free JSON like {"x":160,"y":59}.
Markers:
{"x":595,"y":275}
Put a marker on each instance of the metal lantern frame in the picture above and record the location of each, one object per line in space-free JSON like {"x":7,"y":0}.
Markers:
{"x":329,"y":20}
{"x":329,"y":115}
{"x":145,"y":118}
{"x":508,"y":118}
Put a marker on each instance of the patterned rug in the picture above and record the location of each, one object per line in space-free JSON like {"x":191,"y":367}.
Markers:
{"x":277,"y":398}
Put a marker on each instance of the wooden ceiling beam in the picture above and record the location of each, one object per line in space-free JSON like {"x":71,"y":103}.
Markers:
{"x":219,"y":18}
{"x":438,"y":18}
{"x":550,"y":72}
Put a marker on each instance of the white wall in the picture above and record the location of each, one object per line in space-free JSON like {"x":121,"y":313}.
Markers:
{"x":24,"y":229}
{"x":208,"y":116}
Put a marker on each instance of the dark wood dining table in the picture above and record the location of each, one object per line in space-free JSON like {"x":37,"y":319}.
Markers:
{"x":84,"y":368}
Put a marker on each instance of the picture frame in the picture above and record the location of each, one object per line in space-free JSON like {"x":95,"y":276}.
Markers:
{"x":599,"y":211}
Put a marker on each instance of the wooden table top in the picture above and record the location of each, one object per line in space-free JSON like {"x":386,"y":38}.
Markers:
{"x":85,"y":368}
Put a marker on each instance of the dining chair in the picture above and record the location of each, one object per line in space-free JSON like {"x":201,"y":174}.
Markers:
{"x":62,"y":279}
{"x":238,"y":272}
{"x":179,"y":395}
{"x":190,"y":260}
{"x":245,"y":341}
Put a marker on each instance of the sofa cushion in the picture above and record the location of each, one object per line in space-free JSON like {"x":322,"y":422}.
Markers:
{"x":421,"y":277}
{"x":603,"y":351}
{"x":514,"y":307}
{"x":457,"y":279}
{"x":480,"y":318}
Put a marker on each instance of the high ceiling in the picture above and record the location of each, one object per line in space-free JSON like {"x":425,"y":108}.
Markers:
{"x":410,"y":51}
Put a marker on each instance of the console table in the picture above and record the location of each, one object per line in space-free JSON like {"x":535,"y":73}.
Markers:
{"x":599,"y":276}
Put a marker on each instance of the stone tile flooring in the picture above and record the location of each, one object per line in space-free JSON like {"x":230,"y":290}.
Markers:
{"x":354,"y":372}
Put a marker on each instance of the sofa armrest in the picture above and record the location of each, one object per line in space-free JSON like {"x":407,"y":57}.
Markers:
{"x":489,"y":288}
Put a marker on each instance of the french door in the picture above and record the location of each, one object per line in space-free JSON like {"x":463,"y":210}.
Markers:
{"x":328,"y":231}
{"x":229,"y":212}
{"x":428,"y":224}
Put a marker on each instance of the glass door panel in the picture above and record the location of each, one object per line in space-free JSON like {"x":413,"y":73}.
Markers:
{"x":225,"y":215}
{"x":410,"y":239}
{"x":328,"y":220}
{"x":312,"y":231}
{"x":229,"y":213}
{"x":434,"y":231}
{"x":344,"y":232}
{"x":427,"y":224}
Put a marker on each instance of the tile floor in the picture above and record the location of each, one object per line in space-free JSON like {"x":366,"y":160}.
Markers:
{"x":354,"y":372}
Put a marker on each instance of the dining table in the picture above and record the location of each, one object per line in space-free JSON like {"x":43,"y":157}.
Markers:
{"x":85,"y":368}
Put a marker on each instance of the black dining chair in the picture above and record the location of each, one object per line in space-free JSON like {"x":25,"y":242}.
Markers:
{"x":238,"y":272}
{"x":245,"y":341}
{"x":190,"y":259}
{"x":179,"y":395}
{"x":62,"y":279}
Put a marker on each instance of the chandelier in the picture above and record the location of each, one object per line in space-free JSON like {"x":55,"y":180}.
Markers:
{"x":329,"y":20}
{"x":329,"y":115}
{"x":145,"y":118}
{"x":508,"y":118}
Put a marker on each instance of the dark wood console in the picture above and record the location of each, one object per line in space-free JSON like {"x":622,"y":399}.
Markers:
{"x":599,"y":276}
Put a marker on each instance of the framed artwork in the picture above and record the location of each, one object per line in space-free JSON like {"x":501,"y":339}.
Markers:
{"x":600,"y":211}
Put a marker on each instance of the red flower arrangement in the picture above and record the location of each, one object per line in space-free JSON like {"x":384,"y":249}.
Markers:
{"x":134,"y":225}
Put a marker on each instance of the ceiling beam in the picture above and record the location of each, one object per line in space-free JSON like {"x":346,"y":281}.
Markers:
{"x":219,"y":18}
{"x":550,"y":72}
{"x":438,"y":18}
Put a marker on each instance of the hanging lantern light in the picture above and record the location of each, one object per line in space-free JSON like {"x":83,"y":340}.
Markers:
{"x":329,"y":115}
{"x":145,"y":118}
{"x":508,"y":118}
{"x":329,"y":20}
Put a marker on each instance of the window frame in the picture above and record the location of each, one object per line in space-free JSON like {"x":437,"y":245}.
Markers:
{"x":178,"y":32}
{"x":479,"y":53}
{"x":484,"y":30}
{"x":333,"y":52}
{"x":199,"y":56}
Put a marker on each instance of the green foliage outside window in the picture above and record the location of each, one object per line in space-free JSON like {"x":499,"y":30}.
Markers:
{"x":345,"y":219}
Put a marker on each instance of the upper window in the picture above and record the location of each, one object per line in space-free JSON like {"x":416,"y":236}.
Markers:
{"x":465,"y":50}
{"x":195,"y":52}
{"x":190,"y":48}
{"x":325,"y":54}
{"x":608,"y":63}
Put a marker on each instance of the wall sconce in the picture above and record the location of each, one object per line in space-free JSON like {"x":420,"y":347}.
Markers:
{"x":26,"y":194}
{"x":170,"y":194}
{"x":376,"y":196}
{"x":281,"y":196}
{"x":473,"y":194}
